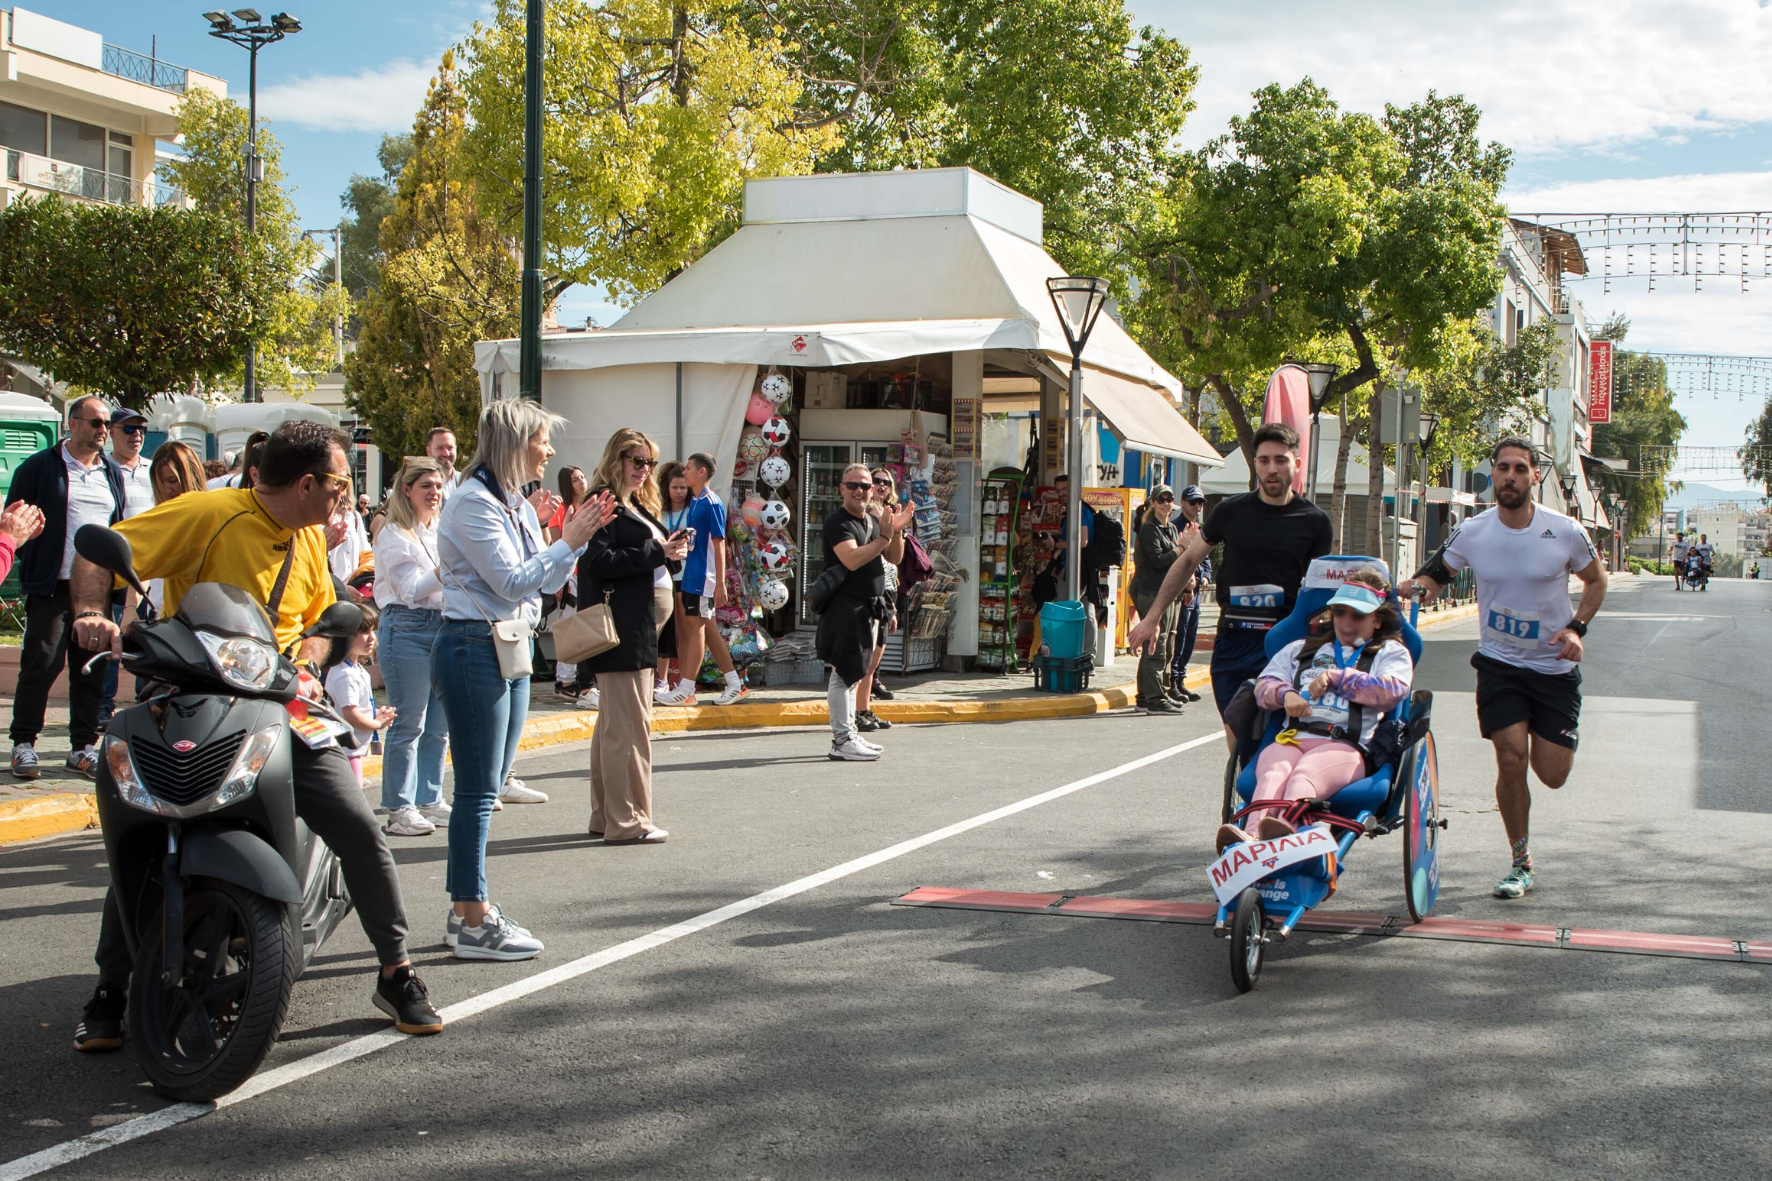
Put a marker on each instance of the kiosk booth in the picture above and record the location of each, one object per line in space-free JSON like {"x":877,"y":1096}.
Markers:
{"x":894,"y":319}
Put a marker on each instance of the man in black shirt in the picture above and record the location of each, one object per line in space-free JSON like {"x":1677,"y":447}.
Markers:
{"x":1270,"y":537}
{"x":848,"y":629}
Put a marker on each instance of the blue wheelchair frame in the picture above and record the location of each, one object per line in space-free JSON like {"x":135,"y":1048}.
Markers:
{"x":1402,"y":794}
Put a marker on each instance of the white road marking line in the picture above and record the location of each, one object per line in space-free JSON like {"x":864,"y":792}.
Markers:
{"x":270,"y":1080}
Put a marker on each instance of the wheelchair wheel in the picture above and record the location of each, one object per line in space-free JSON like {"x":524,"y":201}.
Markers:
{"x":1421,"y":827}
{"x":1230,"y":790}
{"x":1248,"y":939}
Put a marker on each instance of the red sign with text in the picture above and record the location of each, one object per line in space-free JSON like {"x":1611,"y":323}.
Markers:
{"x":1599,"y":382}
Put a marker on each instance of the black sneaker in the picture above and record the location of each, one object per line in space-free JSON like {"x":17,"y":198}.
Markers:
{"x":879,"y":723}
{"x":866,"y":722}
{"x":881,"y":691}
{"x":402,"y":996}
{"x":1160,"y":706}
{"x":101,"y":1022}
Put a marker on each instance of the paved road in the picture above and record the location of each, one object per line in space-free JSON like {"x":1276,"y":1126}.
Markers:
{"x":820,"y":1032}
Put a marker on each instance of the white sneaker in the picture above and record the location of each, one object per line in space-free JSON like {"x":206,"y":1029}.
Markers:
{"x":437,"y":813}
{"x":517,"y":792}
{"x":660,"y":691}
{"x":867,"y":745}
{"x":408,"y":821}
{"x":733,"y":695}
{"x":496,"y":938}
{"x":854,"y":752}
{"x":452,"y":925}
{"x":588,"y":699}
{"x":683,"y":694}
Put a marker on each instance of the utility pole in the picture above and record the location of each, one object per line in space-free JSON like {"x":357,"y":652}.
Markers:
{"x":529,"y":367}
{"x":338,"y":280}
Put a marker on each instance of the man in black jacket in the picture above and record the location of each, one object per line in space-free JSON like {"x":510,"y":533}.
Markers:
{"x":75,"y":483}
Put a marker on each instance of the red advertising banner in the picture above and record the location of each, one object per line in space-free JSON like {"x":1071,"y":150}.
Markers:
{"x":1599,"y":382}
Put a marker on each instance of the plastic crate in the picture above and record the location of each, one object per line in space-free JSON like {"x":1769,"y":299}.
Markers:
{"x":1053,"y":674}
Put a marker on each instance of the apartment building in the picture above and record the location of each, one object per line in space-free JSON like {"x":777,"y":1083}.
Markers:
{"x":1738,"y":529}
{"x":83,"y":118}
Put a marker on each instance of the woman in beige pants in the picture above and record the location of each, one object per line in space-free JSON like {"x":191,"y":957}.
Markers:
{"x":628,"y":567}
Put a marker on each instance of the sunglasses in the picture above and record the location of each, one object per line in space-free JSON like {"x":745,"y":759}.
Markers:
{"x":98,"y":422}
{"x":1165,"y":500}
{"x":132,"y":428}
{"x":882,"y":483}
{"x":856,"y":486}
{"x":344,"y":482}
{"x":643,"y":464}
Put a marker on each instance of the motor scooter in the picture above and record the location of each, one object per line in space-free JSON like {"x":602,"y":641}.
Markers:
{"x":225,"y":895}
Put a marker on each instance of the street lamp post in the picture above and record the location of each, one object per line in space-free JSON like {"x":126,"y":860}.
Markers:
{"x":529,"y":331}
{"x":252,"y":34}
{"x":1568,"y":481}
{"x":338,"y":280}
{"x":1079,"y":300}
{"x":1320,"y":374}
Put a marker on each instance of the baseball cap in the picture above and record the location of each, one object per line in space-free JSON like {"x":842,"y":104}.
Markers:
{"x":1192,"y":493}
{"x":1363,"y":599}
{"x":124,"y":414}
{"x":1162,"y":490}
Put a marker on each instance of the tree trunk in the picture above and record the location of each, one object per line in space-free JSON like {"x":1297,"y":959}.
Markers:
{"x":1344,"y":447}
{"x":1239,"y":422}
{"x":1375,"y":480}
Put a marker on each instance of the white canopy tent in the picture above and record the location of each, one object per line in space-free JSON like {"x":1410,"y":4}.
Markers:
{"x":841,"y":270}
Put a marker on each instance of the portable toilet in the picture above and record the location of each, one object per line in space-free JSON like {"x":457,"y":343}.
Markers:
{"x":27,"y":425}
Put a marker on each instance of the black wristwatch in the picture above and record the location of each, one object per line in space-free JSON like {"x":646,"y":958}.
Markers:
{"x":1578,"y":627}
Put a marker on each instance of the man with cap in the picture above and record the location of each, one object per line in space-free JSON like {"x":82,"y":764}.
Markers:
{"x":129,"y":430}
{"x":1155,"y":554}
{"x":1187,"y":626}
{"x":75,"y":483}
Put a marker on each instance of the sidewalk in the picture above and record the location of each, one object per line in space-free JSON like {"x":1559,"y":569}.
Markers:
{"x":60,"y":802}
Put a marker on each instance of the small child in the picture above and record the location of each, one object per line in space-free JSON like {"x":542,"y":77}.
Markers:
{"x":348,"y":686}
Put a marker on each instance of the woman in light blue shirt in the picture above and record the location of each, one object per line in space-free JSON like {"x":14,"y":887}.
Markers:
{"x":495,"y":564}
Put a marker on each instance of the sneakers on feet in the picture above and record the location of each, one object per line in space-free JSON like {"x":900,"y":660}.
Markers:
{"x":437,"y":813}
{"x":588,"y":699}
{"x":657,"y":836}
{"x":24,"y":761}
{"x":1272,"y":828}
{"x":517,"y":792}
{"x":84,"y":762}
{"x":881,"y":691}
{"x":402,"y":996}
{"x":496,"y":938}
{"x":101,"y":1022}
{"x":732,"y":695}
{"x":1160,"y":705}
{"x":683,"y":694}
{"x":408,"y":821}
{"x":865,"y":723}
{"x":1515,"y":884}
{"x":452,"y":924}
{"x":1230,"y":834}
{"x":566,"y":691}
{"x":879,"y":723}
{"x":854,"y":752}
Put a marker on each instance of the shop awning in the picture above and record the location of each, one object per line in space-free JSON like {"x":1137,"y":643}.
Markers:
{"x":1145,"y":419}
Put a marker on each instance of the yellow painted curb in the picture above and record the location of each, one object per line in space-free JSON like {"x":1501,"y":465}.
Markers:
{"x":46,"y":816}
{"x":1449,"y":615}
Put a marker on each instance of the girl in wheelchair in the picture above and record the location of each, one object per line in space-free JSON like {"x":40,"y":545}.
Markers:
{"x":1343,"y":676}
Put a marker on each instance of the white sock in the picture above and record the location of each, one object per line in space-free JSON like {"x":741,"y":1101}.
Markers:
{"x":732,"y":679}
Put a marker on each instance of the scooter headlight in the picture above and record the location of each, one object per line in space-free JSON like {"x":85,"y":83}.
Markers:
{"x":129,"y":785}
{"x":243,"y":775}
{"x":242,"y":663}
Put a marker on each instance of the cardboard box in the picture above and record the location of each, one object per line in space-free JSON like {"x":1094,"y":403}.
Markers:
{"x":826,"y":391}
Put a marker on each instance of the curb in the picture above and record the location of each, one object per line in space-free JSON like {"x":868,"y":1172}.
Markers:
{"x":47,"y":816}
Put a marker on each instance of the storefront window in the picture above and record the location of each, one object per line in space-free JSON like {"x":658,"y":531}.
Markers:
{"x":74,"y":142}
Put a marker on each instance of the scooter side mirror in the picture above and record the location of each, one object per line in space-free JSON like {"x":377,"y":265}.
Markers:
{"x":109,"y":550}
{"x":339,"y":621}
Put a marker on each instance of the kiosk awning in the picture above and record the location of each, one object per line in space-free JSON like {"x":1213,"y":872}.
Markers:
{"x":1145,"y":419}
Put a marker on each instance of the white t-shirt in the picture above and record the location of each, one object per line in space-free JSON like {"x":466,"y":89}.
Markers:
{"x":1705,"y":550}
{"x":1681,"y":548}
{"x":348,"y":685}
{"x":1522,"y":582}
{"x":347,"y":555}
{"x":231,"y":480}
{"x":1392,"y":660}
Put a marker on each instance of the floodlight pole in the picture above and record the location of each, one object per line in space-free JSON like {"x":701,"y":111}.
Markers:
{"x":529,"y":366}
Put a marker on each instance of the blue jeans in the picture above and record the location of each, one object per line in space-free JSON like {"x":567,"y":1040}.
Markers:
{"x":486,"y":714}
{"x":405,"y":639}
{"x":1187,"y":634}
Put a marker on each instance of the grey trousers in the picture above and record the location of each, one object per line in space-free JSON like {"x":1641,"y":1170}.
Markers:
{"x":1152,"y":665}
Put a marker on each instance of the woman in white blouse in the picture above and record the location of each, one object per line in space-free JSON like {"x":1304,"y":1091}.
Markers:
{"x":410,"y":595}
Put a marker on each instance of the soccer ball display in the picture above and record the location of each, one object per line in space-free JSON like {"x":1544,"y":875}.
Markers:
{"x":777,"y":388}
{"x":776,"y":556}
{"x":777,"y":432}
{"x":775,"y":471}
{"x":772,"y":594}
{"x":751,"y":445}
{"x":774,"y":517}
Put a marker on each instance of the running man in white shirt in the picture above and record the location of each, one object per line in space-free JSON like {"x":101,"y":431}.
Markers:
{"x":1678,"y":552}
{"x":1528,"y":679}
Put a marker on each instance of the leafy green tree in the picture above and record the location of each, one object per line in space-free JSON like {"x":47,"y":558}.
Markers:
{"x":367,"y":201}
{"x":448,"y":279}
{"x":292,"y":315}
{"x":1756,"y":451}
{"x":655,"y":115}
{"x":1643,"y":415}
{"x":123,"y":301}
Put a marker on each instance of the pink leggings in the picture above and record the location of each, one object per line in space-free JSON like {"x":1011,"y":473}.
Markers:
{"x":1315,"y":768}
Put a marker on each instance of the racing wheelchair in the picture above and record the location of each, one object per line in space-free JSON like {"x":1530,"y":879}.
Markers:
{"x":1265,"y":887}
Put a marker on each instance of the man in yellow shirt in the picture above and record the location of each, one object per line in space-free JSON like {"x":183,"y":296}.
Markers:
{"x":270,"y":541}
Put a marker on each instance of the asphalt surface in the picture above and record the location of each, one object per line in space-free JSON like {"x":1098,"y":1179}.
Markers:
{"x":829,"y":1034}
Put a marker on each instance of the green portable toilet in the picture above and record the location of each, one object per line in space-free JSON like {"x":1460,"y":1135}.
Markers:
{"x":27,"y":426}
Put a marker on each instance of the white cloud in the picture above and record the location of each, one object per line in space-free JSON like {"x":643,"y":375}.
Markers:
{"x":1549,"y":75}
{"x":1715,"y":192}
{"x":383,"y":99}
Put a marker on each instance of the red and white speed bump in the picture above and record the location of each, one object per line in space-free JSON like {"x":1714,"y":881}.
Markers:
{"x":1695,"y":947}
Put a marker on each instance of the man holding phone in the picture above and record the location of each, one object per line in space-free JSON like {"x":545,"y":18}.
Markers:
{"x":704,"y":591}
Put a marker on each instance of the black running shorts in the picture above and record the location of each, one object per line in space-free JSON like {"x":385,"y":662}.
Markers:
{"x":1549,"y":702}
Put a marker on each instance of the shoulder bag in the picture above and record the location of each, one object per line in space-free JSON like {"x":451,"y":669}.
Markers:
{"x":591,"y":632}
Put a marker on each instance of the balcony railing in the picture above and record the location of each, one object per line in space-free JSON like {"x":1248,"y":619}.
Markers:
{"x":87,"y":184}
{"x":138,"y":67}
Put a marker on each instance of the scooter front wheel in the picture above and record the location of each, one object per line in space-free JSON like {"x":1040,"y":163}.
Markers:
{"x":206,"y":1031}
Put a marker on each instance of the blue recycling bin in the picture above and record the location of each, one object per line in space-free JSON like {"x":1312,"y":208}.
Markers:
{"x":1062,"y":629}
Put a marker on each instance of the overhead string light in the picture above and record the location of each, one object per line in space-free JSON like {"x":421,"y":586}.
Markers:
{"x":1660,"y":246}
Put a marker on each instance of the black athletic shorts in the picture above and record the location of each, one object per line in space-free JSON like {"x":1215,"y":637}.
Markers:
{"x":691,"y":604}
{"x":1549,"y":702}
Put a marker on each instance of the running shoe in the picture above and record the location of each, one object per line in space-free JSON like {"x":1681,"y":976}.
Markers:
{"x":589,"y":700}
{"x":84,"y":762}
{"x":1515,"y":884}
{"x":683,"y":694}
{"x":101,"y":1023}
{"x":854,"y":752}
{"x":732,"y":695}
{"x":24,"y":761}
{"x":408,"y":821}
{"x":452,"y":924}
{"x":437,"y":813}
{"x":566,"y":691}
{"x":517,"y":792}
{"x":496,"y":938}
{"x":402,"y":996}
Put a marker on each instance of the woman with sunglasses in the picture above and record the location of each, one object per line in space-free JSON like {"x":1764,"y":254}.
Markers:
{"x":1352,"y":656}
{"x":1155,"y":554}
{"x":628,"y":567}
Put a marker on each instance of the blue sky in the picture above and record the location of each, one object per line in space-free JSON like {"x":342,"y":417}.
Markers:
{"x":1634,"y":105}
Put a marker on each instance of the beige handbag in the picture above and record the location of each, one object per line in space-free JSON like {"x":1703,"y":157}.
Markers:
{"x":587,"y":633}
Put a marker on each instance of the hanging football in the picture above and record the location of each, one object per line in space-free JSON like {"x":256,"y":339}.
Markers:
{"x":777,"y":388}
{"x":751,"y":445}
{"x":774,"y":517}
{"x":772,"y":594}
{"x":751,"y":511}
{"x":759,"y":411}
{"x":777,"y":432}
{"x":776,"y":556}
{"x":775,"y":471}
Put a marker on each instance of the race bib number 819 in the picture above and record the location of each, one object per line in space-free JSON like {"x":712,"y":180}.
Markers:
{"x":1516,"y":629}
